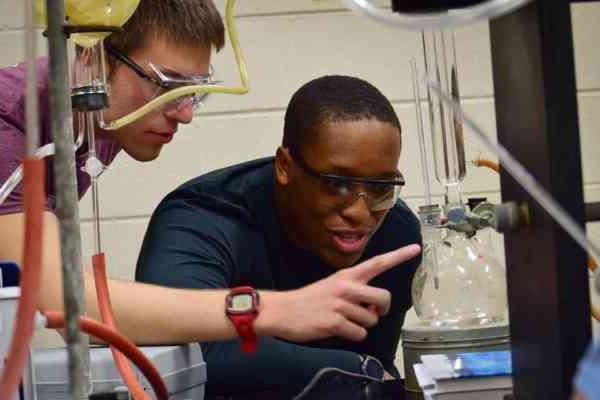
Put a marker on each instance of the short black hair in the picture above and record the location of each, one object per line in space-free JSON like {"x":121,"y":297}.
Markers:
{"x":332,"y":98}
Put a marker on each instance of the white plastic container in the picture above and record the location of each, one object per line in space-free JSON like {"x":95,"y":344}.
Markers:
{"x":182,"y":368}
{"x":9,"y":298}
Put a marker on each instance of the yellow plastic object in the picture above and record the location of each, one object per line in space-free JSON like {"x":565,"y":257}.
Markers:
{"x":192,"y":89}
{"x":92,"y":12}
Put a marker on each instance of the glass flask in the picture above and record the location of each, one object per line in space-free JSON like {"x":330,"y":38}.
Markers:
{"x":89,"y":88}
{"x":459,"y":283}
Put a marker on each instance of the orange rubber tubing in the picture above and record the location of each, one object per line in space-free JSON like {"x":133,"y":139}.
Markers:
{"x":592,"y":264}
{"x":56,"y":320}
{"x":33,"y":169}
{"x":135,"y":388}
{"x":482,"y":162}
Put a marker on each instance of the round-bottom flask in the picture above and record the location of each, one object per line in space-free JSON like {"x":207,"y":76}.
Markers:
{"x":459,"y":285}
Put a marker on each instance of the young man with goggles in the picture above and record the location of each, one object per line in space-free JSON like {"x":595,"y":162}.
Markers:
{"x":164,"y":45}
{"x":161,"y":81}
{"x":326,"y":202}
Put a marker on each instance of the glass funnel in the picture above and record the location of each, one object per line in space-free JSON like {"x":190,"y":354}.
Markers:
{"x":459,"y":283}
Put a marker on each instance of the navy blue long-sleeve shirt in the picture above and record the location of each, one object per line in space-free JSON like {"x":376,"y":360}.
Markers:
{"x":221,"y":230}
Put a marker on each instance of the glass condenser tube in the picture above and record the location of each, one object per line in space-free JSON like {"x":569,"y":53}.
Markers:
{"x":429,"y":214}
{"x":446,"y":130}
{"x":421,"y":132}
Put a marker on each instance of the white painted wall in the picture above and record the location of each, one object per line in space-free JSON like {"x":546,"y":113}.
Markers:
{"x":287,"y":43}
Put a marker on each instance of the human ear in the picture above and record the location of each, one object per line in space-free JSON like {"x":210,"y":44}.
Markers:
{"x":282,"y":165}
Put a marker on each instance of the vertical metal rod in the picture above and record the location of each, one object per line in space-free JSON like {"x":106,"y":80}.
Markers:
{"x":67,"y":209}
{"x":592,"y":212}
{"x":536,"y":114}
{"x":31,"y":99}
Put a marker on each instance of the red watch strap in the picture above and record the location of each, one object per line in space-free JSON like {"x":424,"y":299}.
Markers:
{"x":244,"y":325}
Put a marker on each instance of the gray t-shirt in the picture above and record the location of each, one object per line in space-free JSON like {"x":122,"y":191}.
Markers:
{"x":12,"y":136}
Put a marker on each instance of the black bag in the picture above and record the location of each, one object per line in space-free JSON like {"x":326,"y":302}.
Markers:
{"x":337,"y":384}
{"x":330,"y":384}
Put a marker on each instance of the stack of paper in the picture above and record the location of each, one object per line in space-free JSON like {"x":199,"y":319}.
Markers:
{"x":465,"y":376}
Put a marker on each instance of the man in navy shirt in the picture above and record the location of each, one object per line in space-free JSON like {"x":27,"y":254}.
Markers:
{"x":327,"y":201}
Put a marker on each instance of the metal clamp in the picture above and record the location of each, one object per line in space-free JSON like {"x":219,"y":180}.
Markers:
{"x":505,"y":217}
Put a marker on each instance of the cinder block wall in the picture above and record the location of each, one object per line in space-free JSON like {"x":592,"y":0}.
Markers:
{"x":287,"y":43}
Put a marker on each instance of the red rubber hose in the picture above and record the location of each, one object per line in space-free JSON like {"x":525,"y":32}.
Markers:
{"x":33,"y":170}
{"x":482,"y":162}
{"x":56,"y":320}
{"x":135,"y":388}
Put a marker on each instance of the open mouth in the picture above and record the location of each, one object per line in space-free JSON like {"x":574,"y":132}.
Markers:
{"x":349,"y":242}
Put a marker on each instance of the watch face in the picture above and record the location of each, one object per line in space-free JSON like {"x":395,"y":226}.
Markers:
{"x":241,"y":302}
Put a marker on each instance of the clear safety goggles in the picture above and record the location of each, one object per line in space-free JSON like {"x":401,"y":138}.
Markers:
{"x":379,"y":193}
{"x":164,"y":81}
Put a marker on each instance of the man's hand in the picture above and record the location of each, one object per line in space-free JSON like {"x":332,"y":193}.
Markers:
{"x":342,"y":304}
{"x":387,"y":376}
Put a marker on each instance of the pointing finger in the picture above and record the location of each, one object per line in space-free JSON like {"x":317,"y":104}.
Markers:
{"x":369,"y":269}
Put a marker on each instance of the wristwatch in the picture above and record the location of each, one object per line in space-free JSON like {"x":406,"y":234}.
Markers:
{"x":241,"y":306}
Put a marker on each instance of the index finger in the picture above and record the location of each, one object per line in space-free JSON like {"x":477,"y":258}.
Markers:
{"x":372,"y":267}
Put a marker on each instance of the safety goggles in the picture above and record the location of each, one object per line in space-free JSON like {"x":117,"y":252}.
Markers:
{"x":380,"y":194}
{"x":199,"y":88}
{"x":165,"y":81}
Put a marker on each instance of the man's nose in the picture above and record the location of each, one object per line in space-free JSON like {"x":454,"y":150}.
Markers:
{"x":359,"y":210}
{"x":182,"y":114}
